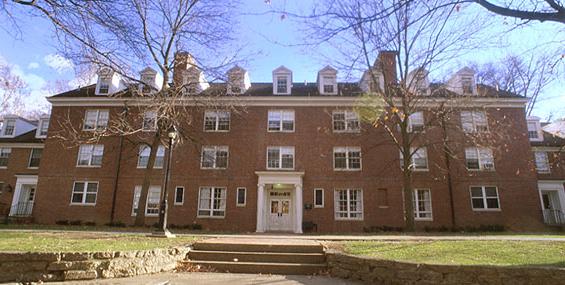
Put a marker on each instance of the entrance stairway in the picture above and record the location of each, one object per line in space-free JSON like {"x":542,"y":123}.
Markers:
{"x":274,"y":256}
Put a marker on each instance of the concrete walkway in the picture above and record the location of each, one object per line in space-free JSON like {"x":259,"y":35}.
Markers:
{"x":201,"y":278}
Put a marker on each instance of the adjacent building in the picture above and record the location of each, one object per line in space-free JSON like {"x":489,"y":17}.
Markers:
{"x":292,"y":157}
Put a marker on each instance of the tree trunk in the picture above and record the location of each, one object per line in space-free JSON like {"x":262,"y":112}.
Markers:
{"x":408,"y":199}
{"x":140,"y":217}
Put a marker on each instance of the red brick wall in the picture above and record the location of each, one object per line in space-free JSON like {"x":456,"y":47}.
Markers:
{"x":313,"y":140}
{"x":17,"y":165}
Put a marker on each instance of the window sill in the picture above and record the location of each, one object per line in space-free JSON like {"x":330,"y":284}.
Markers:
{"x":420,"y":170}
{"x":349,"y":219}
{"x":347,"y":132}
{"x":240,"y":205}
{"x":217,"y":131}
{"x":3,"y":167}
{"x":347,"y":169}
{"x":287,"y":169}
{"x":83,"y":204}
{"x":544,"y":172}
{"x":213,"y":168}
{"x":89,"y":166}
{"x":318,"y":206}
{"x":383,"y":207}
{"x":424,"y":219}
{"x":487,"y":210}
{"x":33,"y":167}
{"x":481,"y":170}
{"x":178,"y":204}
{"x":277,"y":131}
{"x":144,"y":168}
{"x":210,"y":217}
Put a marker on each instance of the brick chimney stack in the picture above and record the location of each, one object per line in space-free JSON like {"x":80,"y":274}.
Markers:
{"x":183,"y":61}
{"x":387,"y":63}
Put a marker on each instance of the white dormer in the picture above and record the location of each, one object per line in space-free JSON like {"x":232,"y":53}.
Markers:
{"x":109,"y":82}
{"x":463,"y":82}
{"x":194,"y":81}
{"x":282,"y":81}
{"x":238,"y":80}
{"x":14,"y":126}
{"x":418,"y":82}
{"x":151,"y":80}
{"x":42,"y":127}
{"x":370,"y":84}
{"x":327,"y":81}
{"x":535,"y":132}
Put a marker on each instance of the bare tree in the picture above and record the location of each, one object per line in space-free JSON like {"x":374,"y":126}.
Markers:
{"x":423,"y":36}
{"x":13,"y":89}
{"x":527,"y":76}
{"x":543,"y":11}
{"x":123,"y":36}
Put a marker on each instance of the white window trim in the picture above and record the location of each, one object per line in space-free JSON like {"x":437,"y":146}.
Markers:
{"x":183,"y":193}
{"x":413,"y":163}
{"x":347,"y":130}
{"x":473,"y":122}
{"x":411,"y":123}
{"x":89,"y":165}
{"x":215,"y":148}
{"x":98,"y":111}
{"x":276,"y":84}
{"x":212,"y":188}
{"x":281,"y":130}
{"x":139,"y":187}
{"x":280,"y":158}
{"x":237,"y":204}
{"x":30,"y":157}
{"x":484,"y":196}
{"x":217,"y":122}
{"x":4,"y":125}
{"x":348,"y":201}
{"x":546,"y":158}
{"x":347,"y":150}
{"x":150,"y":129}
{"x":40,"y":126}
{"x":9,"y":151}
{"x":478,"y":152}
{"x":417,"y":211}
{"x":323,"y":198}
{"x":139,"y":151}
{"x":538,"y":130}
{"x":83,"y":203}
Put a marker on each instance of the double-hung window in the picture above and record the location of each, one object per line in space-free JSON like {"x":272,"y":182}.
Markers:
{"x":467,"y":85}
{"x":4,"y":156}
{"x":95,"y":120}
{"x":35,"y":157}
{"x":318,"y":198}
{"x":416,"y":122}
{"x":212,"y":202}
{"x":149,"y":121}
{"x":484,"y":198}
{"x":542,"y":162}
{"x":422,"y":204}
{"x":345,"y":121}
{"x":282,"y":84}
{"x":347,"y":158}
{"x":280,"y":157}
{"x":217,"y":121}
{"x":419,"y":160}
{"x":479,"y":158}
{"x":90,"y":155}
{"x":42,"y":129}
{"x":152,"y":204}
{"x":145,"y":151}
{"x":281,"y":121}
{"x":348,"y":204}
{"x":179,"y":195}
{"x":474,"y":121}
{"x":534,"y":131}
{"x":241,"y":197}
{"x":84,"y":193}
{"x":9,"y":127}
{"x":329,"y":85}
{"x":214,"y":157}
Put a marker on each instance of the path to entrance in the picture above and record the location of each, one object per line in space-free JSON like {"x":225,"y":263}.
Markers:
{"x":201,"y":278}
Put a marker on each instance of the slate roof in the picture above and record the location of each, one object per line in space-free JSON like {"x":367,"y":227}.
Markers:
{"x":550,"y":139}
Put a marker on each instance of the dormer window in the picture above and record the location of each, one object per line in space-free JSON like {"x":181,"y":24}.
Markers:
{"x":374,"y":84}
{"x":104,"y":86}
{"x":282,"y":81}
{"x":467,"y":84}
{"x":147,"y":80}
{"x":9,"y":127}
{"x":42,"y":128}
{"x":282,"y":84}
{"x":535,"y":132}
{"x":329,"y":85}
{"x":238,"y":80}
{"x":327,"y":82}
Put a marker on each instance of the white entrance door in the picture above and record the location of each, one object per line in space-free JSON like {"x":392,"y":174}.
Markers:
{"x":279,"y":217}
{"x":24,"y":203}
{"x":552,"y":211}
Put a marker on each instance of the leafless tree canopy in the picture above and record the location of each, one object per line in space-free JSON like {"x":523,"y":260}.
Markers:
{"x":12,"y":91}
{"x":530,"y":10}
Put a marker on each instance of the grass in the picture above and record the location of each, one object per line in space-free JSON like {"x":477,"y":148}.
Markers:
{"x":504,"y":253}
{"x":86,"y":242}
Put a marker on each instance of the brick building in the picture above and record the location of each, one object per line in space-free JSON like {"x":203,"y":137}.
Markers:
{"x":294,"y":154}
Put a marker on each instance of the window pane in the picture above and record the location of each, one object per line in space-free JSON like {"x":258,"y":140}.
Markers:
{"x":241,"y":196}
{"x":476,"y":192}
{"x":77,"y":198}
{"x":478,"y":203}
{"x":491,"y":192}
{"x":318,"y":198}
{"x":273,"y":158}
{"x":179,"y":195}
{"x":492,"y":203}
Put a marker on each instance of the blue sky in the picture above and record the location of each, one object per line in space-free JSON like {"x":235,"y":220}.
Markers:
{"x":33,"y":52}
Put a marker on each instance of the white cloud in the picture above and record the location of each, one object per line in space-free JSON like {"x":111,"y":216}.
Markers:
{"x":33,"y":65}
{"x":58,"y":62}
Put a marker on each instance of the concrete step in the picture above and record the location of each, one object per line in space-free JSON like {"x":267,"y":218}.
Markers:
{"x":259,"y":246}
{"x":271,"y":257}
{"x":262,"y":267}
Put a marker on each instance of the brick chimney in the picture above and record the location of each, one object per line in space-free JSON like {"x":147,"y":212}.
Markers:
{"x":387,"y":63}
{"x":183,"y":61}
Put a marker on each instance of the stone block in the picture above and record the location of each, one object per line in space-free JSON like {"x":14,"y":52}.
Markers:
{"x":22,"y":266}
{"x":29,"y":256}
{"x":76,"y":256}
{"x":79,"y":275}
{"x":59,"y":266}
{"x":104,"y":255}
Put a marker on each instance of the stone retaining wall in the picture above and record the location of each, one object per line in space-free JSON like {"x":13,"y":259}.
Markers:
{"x":18,"y":266}
{"x":377,"y":271}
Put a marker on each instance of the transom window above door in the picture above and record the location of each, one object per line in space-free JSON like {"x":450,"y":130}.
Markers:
{"x":281,"y":121}
{"x":280,"y":157}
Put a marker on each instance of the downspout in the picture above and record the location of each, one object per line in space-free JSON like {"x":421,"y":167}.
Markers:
{"x":115,"y":193}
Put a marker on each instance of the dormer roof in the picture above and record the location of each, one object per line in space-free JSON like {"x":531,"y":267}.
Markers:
{"x":282,"y":70}
{"x":148,"y":70}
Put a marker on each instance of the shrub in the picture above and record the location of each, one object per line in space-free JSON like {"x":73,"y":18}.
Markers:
{"x":117,"y":224}
{"x":75,"y":223}
{"x":62,"y":222}
{"x":90,"y":224}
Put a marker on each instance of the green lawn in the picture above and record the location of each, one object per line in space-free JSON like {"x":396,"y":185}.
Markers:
{"x":79,"y":241}
{"x":509,"y":253}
